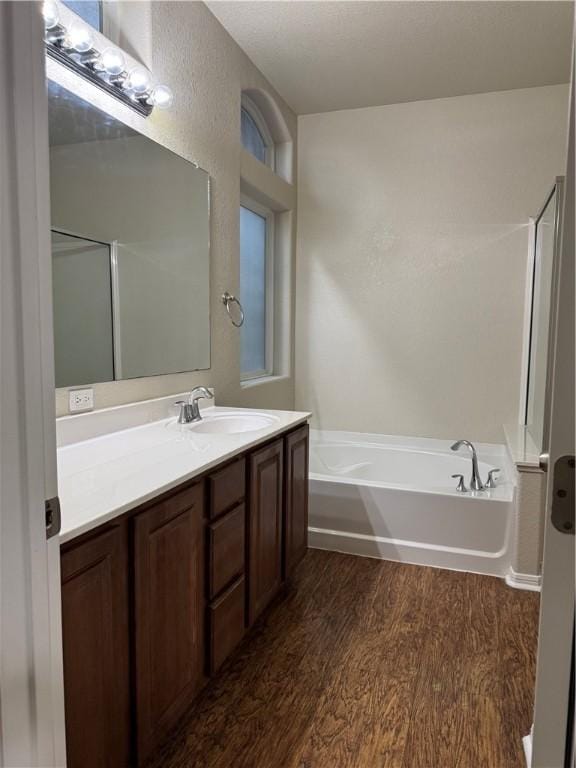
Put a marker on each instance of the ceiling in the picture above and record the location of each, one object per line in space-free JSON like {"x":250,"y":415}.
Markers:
{"x":327,"y":55}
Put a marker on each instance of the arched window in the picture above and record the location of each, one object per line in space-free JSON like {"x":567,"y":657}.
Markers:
{"x":256,"y":136}
{"x":265,"y":239}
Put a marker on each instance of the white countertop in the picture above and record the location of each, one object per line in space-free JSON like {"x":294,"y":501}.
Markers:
{"x":100,"y":478}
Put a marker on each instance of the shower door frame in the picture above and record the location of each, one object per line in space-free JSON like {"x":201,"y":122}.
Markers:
{"x":558,"y":190}
{"x":114,"y":300}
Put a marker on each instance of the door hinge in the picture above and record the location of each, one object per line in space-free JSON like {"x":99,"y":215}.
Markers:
{"x":563,"y":495}
{"x":52,"y":509}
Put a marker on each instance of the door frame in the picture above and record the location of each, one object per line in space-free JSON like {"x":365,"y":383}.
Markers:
{"x":552,"y":744}
{"x":31,"y":678}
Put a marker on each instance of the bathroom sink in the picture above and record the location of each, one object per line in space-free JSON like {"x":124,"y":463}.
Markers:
{"x":233,"y":423}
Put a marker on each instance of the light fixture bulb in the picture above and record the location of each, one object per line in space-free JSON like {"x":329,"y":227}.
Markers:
{"x":138,"y":81}
{"x":161,"y":97}
{"x":50,"y":13}
{"x":80,"y":37}
{"x":112,"y":61}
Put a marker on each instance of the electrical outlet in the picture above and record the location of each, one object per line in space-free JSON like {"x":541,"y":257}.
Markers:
{"x":81,"y":400}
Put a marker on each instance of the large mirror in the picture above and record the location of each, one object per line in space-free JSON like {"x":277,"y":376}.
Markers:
{"x":130,"y":250}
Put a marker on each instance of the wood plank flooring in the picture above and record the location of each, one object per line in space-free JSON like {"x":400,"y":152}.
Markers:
{"x":372,"y":663}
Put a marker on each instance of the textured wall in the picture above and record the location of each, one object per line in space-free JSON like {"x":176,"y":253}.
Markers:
{"x":189,"y":50}
{"x":412,"y":243}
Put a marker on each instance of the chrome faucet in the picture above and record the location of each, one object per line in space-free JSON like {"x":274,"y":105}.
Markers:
{"x":492,"y":482}
{"x":190,"y":411}
{"x":476,"y":483}
{"x":461,"y":487}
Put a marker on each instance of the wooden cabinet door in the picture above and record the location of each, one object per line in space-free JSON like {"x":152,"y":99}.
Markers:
{"x":296,"y":498}
{"x":95,"y":643}
{"x":169,"y":615}
{"x":265,"y":527}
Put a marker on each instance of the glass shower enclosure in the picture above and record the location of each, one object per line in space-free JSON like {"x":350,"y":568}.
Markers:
{"x":546,"y":244}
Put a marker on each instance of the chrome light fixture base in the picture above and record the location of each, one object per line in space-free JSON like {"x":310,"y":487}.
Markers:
{"x":87,"y":71}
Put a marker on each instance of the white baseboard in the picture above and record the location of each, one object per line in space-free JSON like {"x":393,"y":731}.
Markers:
{"x":527,"y":744}
{"x":523,"y":581}
{"x":396,"y":550}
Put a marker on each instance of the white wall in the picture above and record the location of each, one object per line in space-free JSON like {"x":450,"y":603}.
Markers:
{"x":412,"y":244}
{"x":188,"y":49}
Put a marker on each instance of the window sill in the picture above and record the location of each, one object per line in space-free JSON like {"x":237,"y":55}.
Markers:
{"x":256,"y":382}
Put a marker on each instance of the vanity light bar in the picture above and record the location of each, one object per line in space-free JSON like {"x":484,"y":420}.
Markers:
{"x":73,"y":47}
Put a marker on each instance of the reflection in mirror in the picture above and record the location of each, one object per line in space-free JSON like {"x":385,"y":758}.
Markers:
{"x":545,"y":248}
{"x":81,"y":281}
{"x":130,"y":248}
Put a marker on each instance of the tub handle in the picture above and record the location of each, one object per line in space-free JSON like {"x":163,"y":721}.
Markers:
{"x":461,"y":487}
{"x":491,"y":482}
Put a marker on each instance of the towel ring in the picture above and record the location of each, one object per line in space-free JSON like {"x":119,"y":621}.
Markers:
{"x":227,"y":299}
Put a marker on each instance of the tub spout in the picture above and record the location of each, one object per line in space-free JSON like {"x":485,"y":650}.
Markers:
{"x":476,"y":483}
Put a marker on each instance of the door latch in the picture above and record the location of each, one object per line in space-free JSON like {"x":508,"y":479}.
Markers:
{"x":53,"y":519}
{"x":563,"y":495}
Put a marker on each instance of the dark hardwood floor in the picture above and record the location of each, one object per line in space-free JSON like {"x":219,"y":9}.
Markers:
{"x":372,"y":663}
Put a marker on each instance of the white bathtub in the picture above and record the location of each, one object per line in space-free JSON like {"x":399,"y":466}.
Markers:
{"x":394,"y":498}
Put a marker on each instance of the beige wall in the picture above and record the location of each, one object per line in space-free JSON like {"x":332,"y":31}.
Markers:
{"x":412,"y":244}
{"x":188,"y":49}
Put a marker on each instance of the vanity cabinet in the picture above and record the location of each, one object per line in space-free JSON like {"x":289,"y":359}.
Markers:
{"x":227,"y":624}
{"x":226,"y":562}
{"x":227,"y":550}
{"x":296,"y":461}
{"x":95,"y":609}
{"x":265,"y":513}
{"x":155,"y":602}
{"x":168,"y":545}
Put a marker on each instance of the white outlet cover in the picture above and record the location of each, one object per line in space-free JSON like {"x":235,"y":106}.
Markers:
{"x":81,"y":400}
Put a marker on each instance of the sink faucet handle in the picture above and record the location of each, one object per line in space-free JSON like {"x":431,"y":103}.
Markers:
{"x":461,"y":487}
{"x":492,"y":481}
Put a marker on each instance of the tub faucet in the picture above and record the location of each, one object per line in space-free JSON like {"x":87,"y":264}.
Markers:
{"x":476,"y":483}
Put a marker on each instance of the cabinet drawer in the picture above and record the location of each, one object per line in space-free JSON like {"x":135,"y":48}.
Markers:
{"x":227,"y":625}
{"x":227,"y":545}
{"x":227,"y":487}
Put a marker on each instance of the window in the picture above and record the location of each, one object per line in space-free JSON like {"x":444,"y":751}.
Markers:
{"x":252,"y":139}
{"x":256,"y":137}
{"x":256,"y":290}
{"x":266,"y":248}
{"x":89,"y":10}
